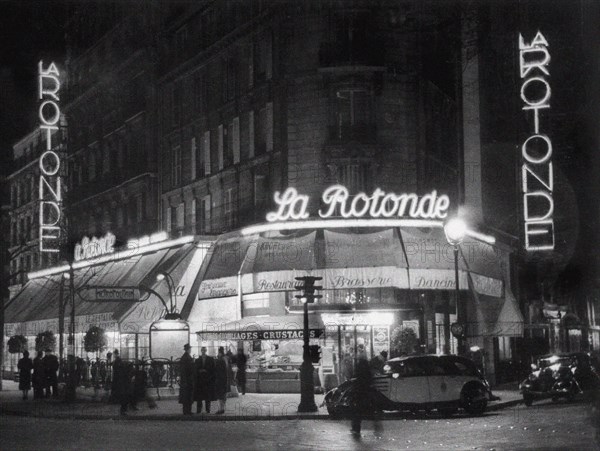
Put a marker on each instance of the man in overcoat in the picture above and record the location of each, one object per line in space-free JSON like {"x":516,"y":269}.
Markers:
{"x":186,"y":381}
{"x":204,"y":389}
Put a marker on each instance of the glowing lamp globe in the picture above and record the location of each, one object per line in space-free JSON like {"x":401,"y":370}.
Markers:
{"x":455,"y":230}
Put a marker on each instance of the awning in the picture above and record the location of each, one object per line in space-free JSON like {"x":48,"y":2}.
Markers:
{"x":35,"y":308}
{"x":418,"y":259}
{"x":489,"y":316}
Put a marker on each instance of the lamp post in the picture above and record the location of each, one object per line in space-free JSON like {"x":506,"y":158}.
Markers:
{"x":307,"y":389}
{"x":455,"y":230}
{"x":171,"y":314}
{"x":71,"y":386}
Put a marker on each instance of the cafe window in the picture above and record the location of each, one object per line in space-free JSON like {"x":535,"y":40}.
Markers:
{"x":175,"y":166}
{"x":256,"y":304}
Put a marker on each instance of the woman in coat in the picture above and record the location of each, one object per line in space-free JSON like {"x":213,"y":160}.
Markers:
{"x":222,"y":381}
{"x":25,"y":366}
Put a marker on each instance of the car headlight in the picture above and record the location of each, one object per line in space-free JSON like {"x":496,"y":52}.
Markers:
{"x":396,"y":375}
{"x":387,"y":368}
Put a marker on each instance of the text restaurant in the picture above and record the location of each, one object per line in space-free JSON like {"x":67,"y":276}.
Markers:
{"x":388,"y":273}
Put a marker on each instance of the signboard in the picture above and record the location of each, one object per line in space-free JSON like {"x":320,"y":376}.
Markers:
{"x":94,"y":247}
{"x":381,"y":339}
{"x":537,"y":181}
{"x":337,"y":201}
{"x":277,"y":334}
{"x":50,"y":184}
{"x":109,"y":294}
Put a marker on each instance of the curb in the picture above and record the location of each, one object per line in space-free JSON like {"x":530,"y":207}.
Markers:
{"x":203,"y":418}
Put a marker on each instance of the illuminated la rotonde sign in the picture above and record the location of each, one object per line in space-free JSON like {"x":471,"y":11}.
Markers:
{"x":338,"y":201}
{"x":537,"y":181}
{"x":50,"y":188}
{"x":94,"y":247}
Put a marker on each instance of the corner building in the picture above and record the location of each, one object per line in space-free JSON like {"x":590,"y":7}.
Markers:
{"x":257,"y":97}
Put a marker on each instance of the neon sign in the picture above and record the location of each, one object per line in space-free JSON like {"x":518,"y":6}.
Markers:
{"x":50,"y":189}
{"x":537,"y":181}
{"x":379,"y":204}
{"x":95,"y":247}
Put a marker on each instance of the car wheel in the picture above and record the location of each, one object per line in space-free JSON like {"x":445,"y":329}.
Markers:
{"x":474,"y":400}
{"x":448,"y":412}
{"x":528,"y":400}
{"x":333,"y":413}
{"x":555,"y":398}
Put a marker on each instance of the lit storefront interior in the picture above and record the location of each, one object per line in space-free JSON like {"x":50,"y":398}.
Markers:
{"x":376,"y":282}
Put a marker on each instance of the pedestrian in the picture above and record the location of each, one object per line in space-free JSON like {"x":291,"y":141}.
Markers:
{"x":222,"y":379}
{"x":50,"y":369}
{"x":378,"y":362}
{"x":241,"y":361}
{"x":186,"y":380}
{"x":362,"y":395}
{"x":25,"y":366}
{"x":121,"y":382}
{"x":204,"y":389}
{"x":347,"y":367}
{"x":39,"y":376}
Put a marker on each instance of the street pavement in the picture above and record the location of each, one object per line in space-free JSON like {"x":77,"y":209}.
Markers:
{"x":252,"y":406}
{"x":545,"y":425}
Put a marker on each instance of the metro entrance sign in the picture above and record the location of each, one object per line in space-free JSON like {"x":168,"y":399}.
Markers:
{"x":109,"y":294}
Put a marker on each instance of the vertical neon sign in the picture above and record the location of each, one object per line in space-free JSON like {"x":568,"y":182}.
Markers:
{"x":537,"y":176}
{"x":50,"y":188}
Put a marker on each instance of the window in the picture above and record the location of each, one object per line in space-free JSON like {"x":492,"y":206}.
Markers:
{"x":176,"y":165}
{"x":203,"y":215}
{"x":180,"y":216}
{"x":193,"y":158}
{"x":206,"y":152}
{"x":235,"y":140}
{"x":354,"y":177}
{"x":229,"y":82}
{"x":251,"y":134}
{"x":263,"y":57}
{"x":220,"y":145}
{"x":199,"y":91}
{"x":228,"y":208}
{"x":140,"y":207}
{"x":106,"y":158}
{"x":92,"y":164}
{"x":177,"y":102}
{"x":264,"y":130}
{"x":261,"y":193}
{"x":354,"y":116}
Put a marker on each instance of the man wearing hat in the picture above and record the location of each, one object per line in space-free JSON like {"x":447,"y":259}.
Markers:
{"x":186,"y":384}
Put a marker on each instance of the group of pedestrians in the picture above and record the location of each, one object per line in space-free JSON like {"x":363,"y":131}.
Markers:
{"x":209,"y":379}
{"x":41,"y":373}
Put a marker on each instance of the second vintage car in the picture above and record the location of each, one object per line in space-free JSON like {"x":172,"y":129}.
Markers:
{"x":560,"y":376}
{"x":413,"y":383}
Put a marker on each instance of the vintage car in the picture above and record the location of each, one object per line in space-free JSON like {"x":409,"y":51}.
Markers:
{"x":414,"y":383}
{"x":560,"y":376}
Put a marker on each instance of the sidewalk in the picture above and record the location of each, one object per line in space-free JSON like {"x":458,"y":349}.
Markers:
{"x":252,"y":406}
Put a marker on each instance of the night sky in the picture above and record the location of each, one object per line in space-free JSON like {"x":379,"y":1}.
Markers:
{"x":30,"y":30}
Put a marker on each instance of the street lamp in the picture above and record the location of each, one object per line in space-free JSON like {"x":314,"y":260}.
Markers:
{"x":455,"y":230}
{"x":71,"y":386}
{"x":171,"y":314}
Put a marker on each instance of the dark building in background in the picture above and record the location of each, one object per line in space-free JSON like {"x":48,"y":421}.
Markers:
{"x":111,"y":114}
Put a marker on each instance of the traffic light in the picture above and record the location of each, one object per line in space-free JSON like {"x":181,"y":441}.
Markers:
{"x":314,"y":351}
{"x":308,"y":287}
